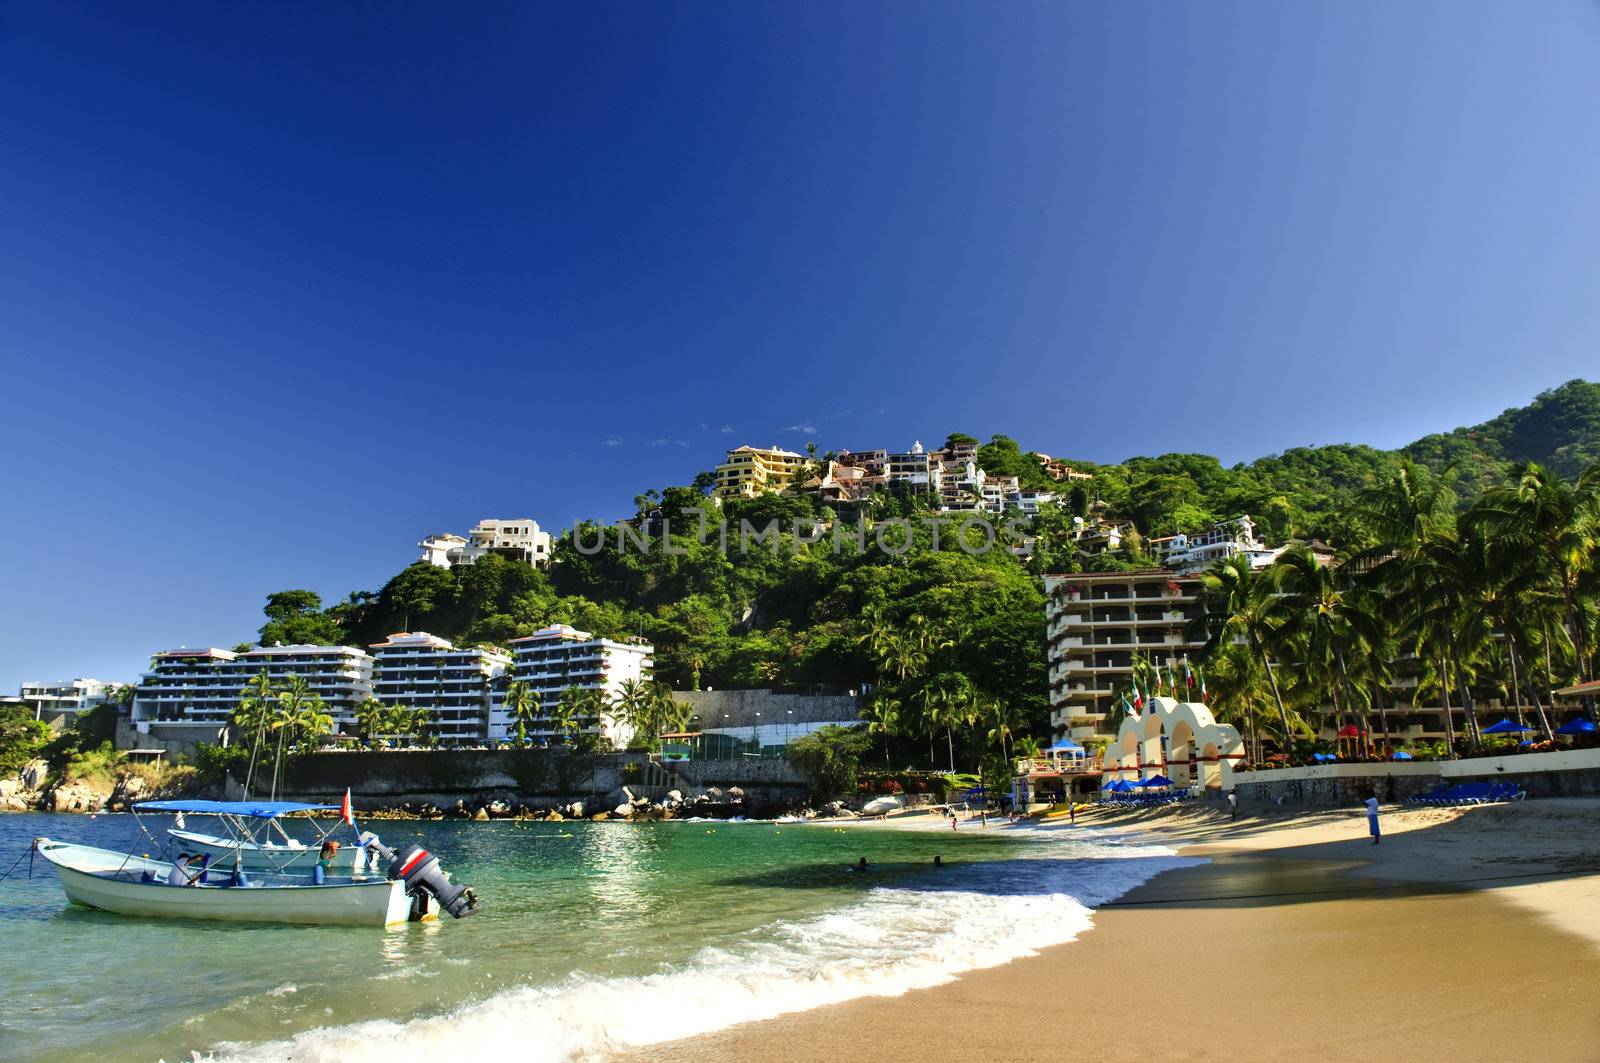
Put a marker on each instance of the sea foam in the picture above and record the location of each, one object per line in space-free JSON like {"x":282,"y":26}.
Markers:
{"x":894,"y":939}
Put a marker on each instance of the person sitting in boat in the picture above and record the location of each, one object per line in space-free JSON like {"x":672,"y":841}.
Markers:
{"x":179,"y":875}
{"x":325,"y":858}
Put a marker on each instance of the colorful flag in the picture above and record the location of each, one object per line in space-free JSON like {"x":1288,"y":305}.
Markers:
{"x":346,"y":811}
{"x":1202,"y":686}
{"x":1138,"y":699}
{"x":1188,"y":674}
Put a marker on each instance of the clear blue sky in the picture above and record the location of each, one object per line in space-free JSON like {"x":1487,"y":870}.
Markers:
{"x":286,"y":286}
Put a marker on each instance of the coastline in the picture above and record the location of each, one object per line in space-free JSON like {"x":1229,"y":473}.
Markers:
{"x":1468,"y":928}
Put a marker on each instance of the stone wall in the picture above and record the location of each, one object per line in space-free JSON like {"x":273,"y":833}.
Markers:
{"x":720,"y":709}
{"x":1566,"y":773}
{"x":445,"y":776}
{"x":178,"y":739}
{"x":535,"y":776}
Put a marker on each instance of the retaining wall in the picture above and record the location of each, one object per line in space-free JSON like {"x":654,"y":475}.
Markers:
{"x":1564,"y":773}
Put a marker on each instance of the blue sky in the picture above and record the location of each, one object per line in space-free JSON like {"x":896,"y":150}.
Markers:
{"x":286,"y":287}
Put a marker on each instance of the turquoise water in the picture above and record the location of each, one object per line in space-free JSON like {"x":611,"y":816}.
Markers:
{"x":591,"y":936}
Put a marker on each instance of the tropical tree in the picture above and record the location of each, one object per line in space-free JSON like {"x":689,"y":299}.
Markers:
{"x":1238,"y":603}
{"x":370,"y":716}
{"x":253,"y":716}
{"x":636,"y":706}
{"x":882,"y":716}
{"x":522,"y":703}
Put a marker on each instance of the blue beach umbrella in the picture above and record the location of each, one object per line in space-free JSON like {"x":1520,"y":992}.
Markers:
{"x":1401,"y":754}
{"x":1157,"y":780}
{"x":1505,"y":727}
{"x":1580,"y":726}
{"x":1112,"y":785}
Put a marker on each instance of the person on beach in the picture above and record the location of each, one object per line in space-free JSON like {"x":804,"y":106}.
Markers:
{"x":1233,"y":805}
{"x":953,"y":820}
{"x":1072,"y":813}
{"x":1372,"y":816}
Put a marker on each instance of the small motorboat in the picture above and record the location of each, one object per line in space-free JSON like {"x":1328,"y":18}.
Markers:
{"x":413,"y":886}
{"x":253,"y":833}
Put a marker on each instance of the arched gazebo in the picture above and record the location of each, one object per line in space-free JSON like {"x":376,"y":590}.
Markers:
{"x":1178,"y":739}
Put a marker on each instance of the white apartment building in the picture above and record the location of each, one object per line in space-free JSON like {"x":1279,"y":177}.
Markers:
{"x":63,"y":701}
{"x":555,"y":658}
{"x":460,"y":688}
{"x":519,"y":539}
{"x":1228,"y":538}
{"x":203,"y":686}
{"x":916,"y":468}
{"x":442,"y":550}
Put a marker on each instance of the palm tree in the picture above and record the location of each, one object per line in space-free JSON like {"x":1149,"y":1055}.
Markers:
{"x":883,"y":718}
{"x":636,"y":707}
{"x":370,"y":715}
{"x":563,"y":716}
{"x":293,"y":701}
{"x":254,"y":713}
{"x":1239,"y":603}
{"x":523,"y":706}
{"x":1327,"y":627}
{"x":311,"y":722}
{"x":1559,"y":525}
{"x":670,"y":714}
{"x":1000,"y":733}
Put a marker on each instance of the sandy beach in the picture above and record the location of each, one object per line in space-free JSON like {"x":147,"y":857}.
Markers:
{"x":1468,"y":934}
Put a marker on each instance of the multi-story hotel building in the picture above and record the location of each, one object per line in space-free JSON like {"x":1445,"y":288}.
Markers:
{"x":460,"y":688}
{"x":1098,"y":622}
{"x":749,"y":471}
{"x":52,"y":702}
{"x":203,"y":686}
{"x":556,"y":658}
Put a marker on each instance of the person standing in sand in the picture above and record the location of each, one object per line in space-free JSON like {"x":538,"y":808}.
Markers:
{"x":1233,"y":804}
{"x":1372,"y":816}
{"x":953,"y":820}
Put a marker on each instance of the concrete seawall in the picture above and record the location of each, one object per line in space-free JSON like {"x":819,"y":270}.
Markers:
{"x":532,"y":776}
{"x":1565,"y":773}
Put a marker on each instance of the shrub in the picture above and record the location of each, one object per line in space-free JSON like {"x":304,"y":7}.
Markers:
{"x":890,"y":786}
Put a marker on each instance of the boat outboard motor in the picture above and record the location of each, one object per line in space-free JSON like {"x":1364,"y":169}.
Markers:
{"x":420,"y":871}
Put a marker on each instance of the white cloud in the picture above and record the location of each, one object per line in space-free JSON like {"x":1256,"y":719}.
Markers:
{"x":613,"y":441}
{"x":726,"y":429}
{"x":680,"y":442}
{"x":659,"y":441}
{"x":806,"y":428}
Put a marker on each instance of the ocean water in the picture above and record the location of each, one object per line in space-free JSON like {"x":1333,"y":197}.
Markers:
{"x":592,"y":937}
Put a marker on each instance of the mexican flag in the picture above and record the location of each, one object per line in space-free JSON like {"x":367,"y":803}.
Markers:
{"x":1138,"y":698}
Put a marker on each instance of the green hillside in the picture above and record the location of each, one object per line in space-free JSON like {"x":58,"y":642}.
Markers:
{"x":812,"y":618}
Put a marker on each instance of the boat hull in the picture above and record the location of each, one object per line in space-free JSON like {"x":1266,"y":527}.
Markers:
{"x":83,"y":872}
{"x":275,"y":858}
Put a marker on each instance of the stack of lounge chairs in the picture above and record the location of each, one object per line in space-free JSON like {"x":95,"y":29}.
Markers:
{"x":1469,"y":793}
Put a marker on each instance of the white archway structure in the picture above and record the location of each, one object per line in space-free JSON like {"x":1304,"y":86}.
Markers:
{"x":1178,"y":739}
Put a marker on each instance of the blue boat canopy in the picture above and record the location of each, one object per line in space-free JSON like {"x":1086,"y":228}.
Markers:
{"x":255,"y":809}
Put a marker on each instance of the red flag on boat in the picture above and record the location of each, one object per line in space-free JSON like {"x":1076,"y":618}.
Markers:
{"x":346,"y":811}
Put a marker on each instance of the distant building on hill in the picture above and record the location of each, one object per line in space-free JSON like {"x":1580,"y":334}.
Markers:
{"x":203,"y":686}
{"x":1057,"y":469}
{"x":914,"y":470}
{"x":560,"y":657}
{"x":60,"y":703}
{"x":460,"y":687}
{"x":1225,"y":539}
{"x":751,"y":471}
{"x":519,"y":539}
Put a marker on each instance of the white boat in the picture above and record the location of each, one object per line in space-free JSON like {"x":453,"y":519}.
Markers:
{"x":293,"y":855}
{"x":133,"y":885}
{"x":413,"y":887}
{"x":252,"y":833}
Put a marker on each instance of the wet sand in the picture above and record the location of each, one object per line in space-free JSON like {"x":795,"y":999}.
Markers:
{"x":1268,"y":952}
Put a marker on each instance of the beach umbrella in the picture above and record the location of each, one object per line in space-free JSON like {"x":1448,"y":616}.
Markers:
{"x":1157,"y":780}
{"x":1350,"y":730}
{"x":1066,"y":747}
{"x":1505,"y":727}
{"x":1401,"y":754}
{"x":1580,"y":726}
